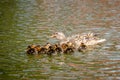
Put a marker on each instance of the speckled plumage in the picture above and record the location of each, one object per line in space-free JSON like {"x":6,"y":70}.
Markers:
{"x":77,"y":39}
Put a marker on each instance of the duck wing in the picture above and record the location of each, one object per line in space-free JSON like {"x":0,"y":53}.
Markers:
{"x":86,"y":38}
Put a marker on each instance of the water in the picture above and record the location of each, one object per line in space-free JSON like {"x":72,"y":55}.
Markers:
{"x":24,"y":22}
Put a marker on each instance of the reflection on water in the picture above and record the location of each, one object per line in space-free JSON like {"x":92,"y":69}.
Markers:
{"x":24,"y":22}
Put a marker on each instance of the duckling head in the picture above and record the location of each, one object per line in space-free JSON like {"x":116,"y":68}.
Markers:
{"x":58,"y":35}
{"x":47,"y":45}
{"x":64,"y":46}
{"x":70,"y":44}
{"x":82,"y":47}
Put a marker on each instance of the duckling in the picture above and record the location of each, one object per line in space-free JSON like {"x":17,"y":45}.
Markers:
{"x":66,"y":48}
{"x":70,"y":48}
{"x":50,"y":50}
{"x":43,"y":49}
{"x":57,"y":48}
{"x":82,"y":47}
{"x":70,"y":44}
{"x":31,"y":49}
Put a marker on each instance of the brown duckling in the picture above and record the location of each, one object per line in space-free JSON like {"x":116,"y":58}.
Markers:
{"x":82,"y":47}
{"x":50,"y":50}
{"x":31,"y":49}
{"x":57,"y":48}
{"x":67,"y":48}
{"x":44,"y":49}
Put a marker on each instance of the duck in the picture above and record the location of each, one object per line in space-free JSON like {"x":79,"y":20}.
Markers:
{"x":88,"y":39}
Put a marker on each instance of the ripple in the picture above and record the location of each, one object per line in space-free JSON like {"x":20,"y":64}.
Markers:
{"x":33,"y":21}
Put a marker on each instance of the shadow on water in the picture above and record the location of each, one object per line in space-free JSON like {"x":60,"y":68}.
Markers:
{"x":24,"y":22}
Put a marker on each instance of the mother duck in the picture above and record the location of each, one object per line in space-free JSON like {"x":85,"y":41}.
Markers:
{"x":86,"y":38}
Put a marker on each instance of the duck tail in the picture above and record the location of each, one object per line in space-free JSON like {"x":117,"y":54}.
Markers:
{"x":101,"y":40}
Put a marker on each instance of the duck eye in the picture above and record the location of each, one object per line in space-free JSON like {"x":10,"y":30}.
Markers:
{"x":56,"y":33}
{"x":95,"y":35}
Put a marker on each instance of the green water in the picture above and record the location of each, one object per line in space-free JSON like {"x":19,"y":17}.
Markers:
{"x":24,"y":22}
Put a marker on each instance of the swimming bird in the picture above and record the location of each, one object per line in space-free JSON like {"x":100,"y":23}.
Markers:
{"x":77,"y":39}
{"x":44,"y":49}
{"x":82,"y":47}
{"x":67,"y":48}
{"x":32,"y":49}
{"x":57,"y":48}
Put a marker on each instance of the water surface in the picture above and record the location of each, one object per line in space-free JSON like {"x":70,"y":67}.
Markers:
{"x":24,"y":22}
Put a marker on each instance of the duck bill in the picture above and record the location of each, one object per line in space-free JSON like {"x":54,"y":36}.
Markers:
{"x":53,"y":36}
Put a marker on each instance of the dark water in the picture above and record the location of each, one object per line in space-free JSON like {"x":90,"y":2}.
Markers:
{"x":24,"y":22}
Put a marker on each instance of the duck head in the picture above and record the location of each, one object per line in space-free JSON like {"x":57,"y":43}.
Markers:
{"x":59,"y":36}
